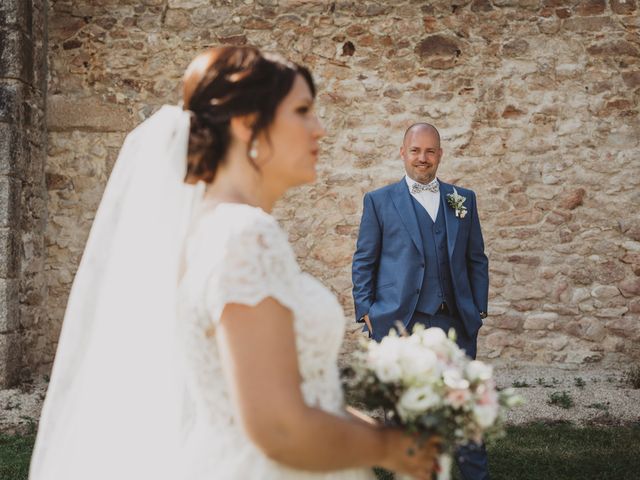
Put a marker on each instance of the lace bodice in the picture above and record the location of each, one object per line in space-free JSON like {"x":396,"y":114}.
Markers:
{"x":239,"y":254}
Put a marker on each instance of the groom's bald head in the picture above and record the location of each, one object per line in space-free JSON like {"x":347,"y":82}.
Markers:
{"x":421,"y":127}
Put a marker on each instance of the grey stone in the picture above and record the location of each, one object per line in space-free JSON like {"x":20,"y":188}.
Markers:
{"x":16,"y":56}
{"x":13,"y":103}
{"x":12,"y":150}
{"x":9,"y":254}
{"x":9,"y":311}
{"x":16,"y":13}
{"x":10,"y":190}
{"x":540,"y":321}
{"x":10,"y":359}
{"x":605,"y":291}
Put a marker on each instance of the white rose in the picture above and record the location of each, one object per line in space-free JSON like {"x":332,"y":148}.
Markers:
{"x":478,"y":371}
{"x":485,"y":415}
{"x":416,"y":401}
{"x":418,"y":364}
{"x":384,"y":359}
{"x":433,"y":337}
{"x":453,"y":378}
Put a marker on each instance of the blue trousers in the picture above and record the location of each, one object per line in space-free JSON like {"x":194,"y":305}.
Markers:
{"x":471,"y":459}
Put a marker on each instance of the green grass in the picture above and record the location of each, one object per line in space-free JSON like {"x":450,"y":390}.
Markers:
{"x":15,"y":453}
{"x":530,"y":452}
{"x":561,"y":399}
{"x":563,"y":452}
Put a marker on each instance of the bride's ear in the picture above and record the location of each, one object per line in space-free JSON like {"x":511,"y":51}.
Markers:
{"x":242,"y":127}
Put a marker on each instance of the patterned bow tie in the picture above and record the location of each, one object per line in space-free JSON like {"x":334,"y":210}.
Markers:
{"x":432,"y":186}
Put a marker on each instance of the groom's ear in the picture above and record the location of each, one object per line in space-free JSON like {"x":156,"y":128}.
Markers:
{"x":241,"y":127}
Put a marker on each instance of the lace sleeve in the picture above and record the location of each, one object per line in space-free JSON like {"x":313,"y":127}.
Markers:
{"x":257,"y":262}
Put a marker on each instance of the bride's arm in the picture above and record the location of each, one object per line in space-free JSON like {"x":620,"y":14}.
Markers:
{"x":258,"y":352}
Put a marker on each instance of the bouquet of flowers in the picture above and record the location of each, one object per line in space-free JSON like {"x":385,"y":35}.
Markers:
{"x":426,"y":384}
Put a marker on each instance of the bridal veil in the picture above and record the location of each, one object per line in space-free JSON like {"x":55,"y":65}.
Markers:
{"x":114,"y":407}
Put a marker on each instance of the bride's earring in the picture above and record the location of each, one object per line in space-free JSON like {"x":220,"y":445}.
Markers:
{"x":253,"y":152}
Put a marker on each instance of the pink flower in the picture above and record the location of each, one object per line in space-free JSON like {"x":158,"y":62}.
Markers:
{"x":488,"y":397}
{"x":458,"y":397}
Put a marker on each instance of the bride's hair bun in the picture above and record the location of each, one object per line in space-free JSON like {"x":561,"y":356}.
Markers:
{"x":227,"y":82}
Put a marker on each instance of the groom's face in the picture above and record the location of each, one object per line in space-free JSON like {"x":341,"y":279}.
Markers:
{"x":421,"y":154}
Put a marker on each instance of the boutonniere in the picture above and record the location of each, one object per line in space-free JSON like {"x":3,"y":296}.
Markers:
{"x":456,"y":201}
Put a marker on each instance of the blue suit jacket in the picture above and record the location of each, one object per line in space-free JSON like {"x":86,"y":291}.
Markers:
{"x":387,"y":273}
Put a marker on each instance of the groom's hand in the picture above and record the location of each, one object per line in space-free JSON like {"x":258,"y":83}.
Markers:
{"x":368,"y":323}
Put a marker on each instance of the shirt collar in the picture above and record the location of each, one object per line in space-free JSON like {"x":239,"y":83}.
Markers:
{"x":411,"y":182}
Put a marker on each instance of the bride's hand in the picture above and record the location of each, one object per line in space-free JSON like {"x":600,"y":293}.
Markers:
{"x":405,"y":453}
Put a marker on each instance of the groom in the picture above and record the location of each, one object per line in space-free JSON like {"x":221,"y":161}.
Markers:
{"x":420,"y":259}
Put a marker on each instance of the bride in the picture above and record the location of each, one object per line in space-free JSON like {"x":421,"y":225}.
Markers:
{"x":193,"y":347}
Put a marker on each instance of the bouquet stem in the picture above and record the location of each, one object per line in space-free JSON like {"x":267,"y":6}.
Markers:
{"x":445,"y":461}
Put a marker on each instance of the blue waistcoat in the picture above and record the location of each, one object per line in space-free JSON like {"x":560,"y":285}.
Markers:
{"x":436,"y":284}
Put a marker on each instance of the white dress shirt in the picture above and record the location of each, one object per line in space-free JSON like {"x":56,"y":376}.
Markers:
{"x":429,"y":200}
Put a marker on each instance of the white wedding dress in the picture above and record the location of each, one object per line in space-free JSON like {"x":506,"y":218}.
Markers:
{"x":236,"y":253}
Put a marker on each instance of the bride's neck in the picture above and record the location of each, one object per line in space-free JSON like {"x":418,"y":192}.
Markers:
{"x":235,"y":183}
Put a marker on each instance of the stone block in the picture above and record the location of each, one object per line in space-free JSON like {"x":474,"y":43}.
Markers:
{"x":615,"y":48}
{"x":515,"y":48}
{"x":627,"y":326}
{"x":12,"y":151}
{"x":65,"y":113}
{"x":9,"y":253}
{"x":631,"y":79}
{"x":530,"y":4}
{"x":573,"y":199}
{"x":439,"y":51}
{"x":590,"y":7}
{"x":10,"y":191}
{"x":540,"y":321}
{"x":10,"y":359}
{"x":630,"y":287}
{"x":623,"y":7}
{"x":9,"y":308}
{"x":613,"y":312}
{"x":16,"y":13}
{"x":16,"y":56}
{"x":592,"y":329}
{"x":480,"y":6}
{"x":12,"y":109}
{"x":588,"y":24}
{"x":605,"y":292}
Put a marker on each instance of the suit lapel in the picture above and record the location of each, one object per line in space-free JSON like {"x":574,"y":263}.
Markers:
{"x":402,"y":201}
{"x":450,"y":219}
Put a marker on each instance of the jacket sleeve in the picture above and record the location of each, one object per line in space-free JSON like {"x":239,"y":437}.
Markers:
{"x":477,"y":262}
{"x":366,"y":259}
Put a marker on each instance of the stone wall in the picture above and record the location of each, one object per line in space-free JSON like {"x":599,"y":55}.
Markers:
{"x":536,"y":100}
{"x":22,"y":191}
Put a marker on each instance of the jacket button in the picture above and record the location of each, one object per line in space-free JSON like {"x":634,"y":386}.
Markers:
{"x":422,"y":265}
{"x":418,"y":291}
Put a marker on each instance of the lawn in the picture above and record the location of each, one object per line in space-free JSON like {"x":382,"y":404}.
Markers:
{"x":536,"y":451}
{"x":15,"y":452}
